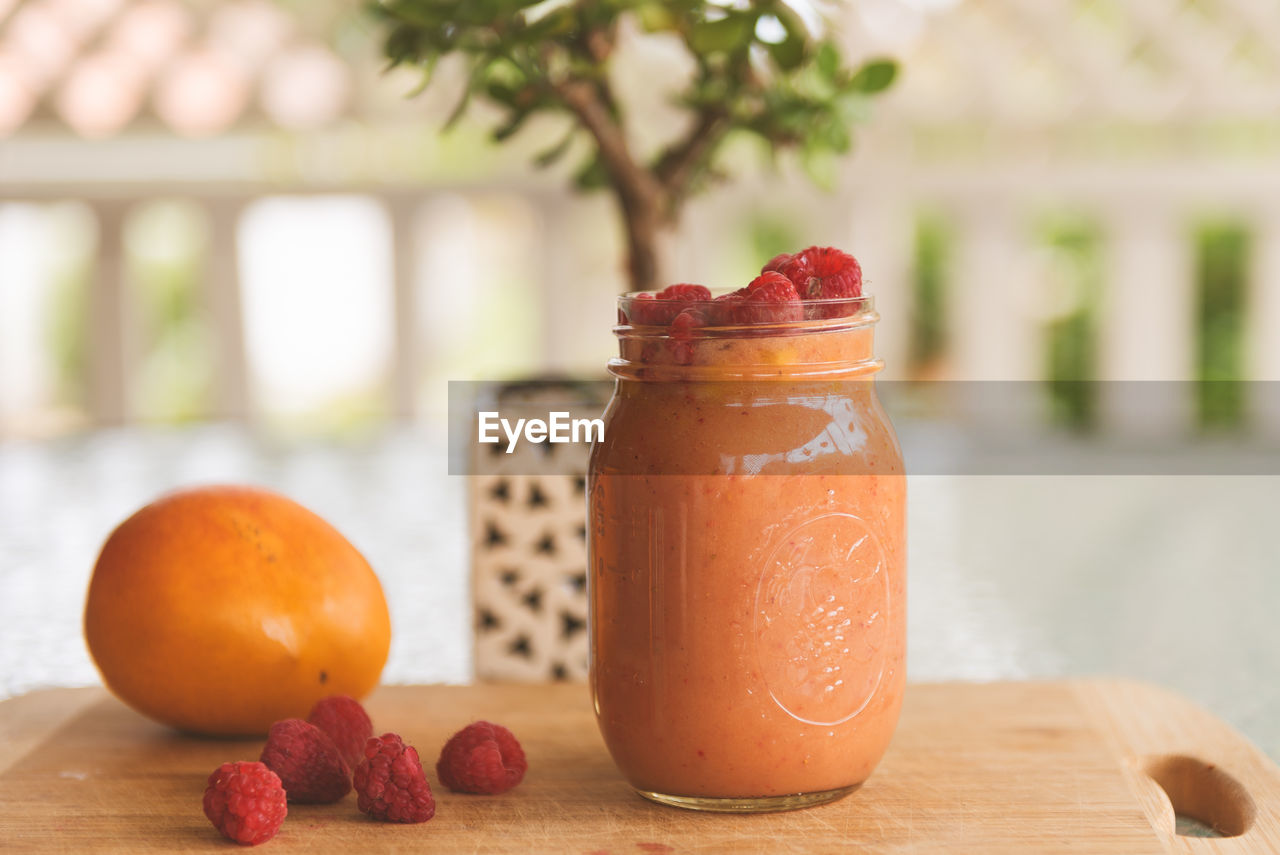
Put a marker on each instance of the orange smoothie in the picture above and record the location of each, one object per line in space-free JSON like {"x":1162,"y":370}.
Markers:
{"x":747,"y":564}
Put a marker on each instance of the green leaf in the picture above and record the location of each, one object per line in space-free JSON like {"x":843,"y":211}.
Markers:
{"x":837,"y":137}
{"x":428,"y":72}
{"x":875,"y":76}
{"x":503,"y":93}
{"x":592,"y":175}
{"x":726,"y":35}
{"x":548,"y":157}
{"x":504,"y":73}
{"x":827,"y":61}
{"x":476,"y":82}
{"x":421,"y":14}
{"x":793,"y":24}
{"x":513,"y":6}
{"x":473,"y":81}
{"x":821,"y":166}
{"x":853,"y":109}
{"x":557,"y":24}
{"x":481,"y":13}
{"x":656,"y":17}
{"x":788,"y":53}
{"x":459,"y":109}
{"x":511,"y":126}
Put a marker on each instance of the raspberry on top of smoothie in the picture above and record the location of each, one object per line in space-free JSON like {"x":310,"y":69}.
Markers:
{"x":815,"y":284}
{"x":821,"y":272}
{"x":662,"y":308}
{"x":818,"y":282}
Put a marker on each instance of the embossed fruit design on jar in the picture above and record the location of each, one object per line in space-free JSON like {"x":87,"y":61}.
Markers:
{"x":747,"y":543}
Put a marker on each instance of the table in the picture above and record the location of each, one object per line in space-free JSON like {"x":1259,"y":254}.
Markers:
{"x":1171,"y":579}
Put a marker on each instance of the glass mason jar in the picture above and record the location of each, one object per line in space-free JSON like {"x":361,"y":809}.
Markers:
{"x":747,"y":562}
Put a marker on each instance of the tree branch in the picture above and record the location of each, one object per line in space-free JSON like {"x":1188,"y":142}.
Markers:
{"x":680,"y":162}
{"x":589,"y":105}
{"x":640,"y":196}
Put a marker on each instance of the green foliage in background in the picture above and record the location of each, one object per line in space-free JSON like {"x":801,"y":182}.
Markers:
{"x":1071,"y":337}
{"x":754,"y":237}
{"x":67,"y":330}
{"x":1223,"y":250}
{"x":66,"y":317}
{"x":932,"y":257}
{"x":758,"y":69}
{"x":166,"y":254}
{"x":770,"y":236}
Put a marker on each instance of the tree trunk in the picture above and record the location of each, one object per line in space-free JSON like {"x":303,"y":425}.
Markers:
{"x":650,"y":245}
{"x":640,"y":222}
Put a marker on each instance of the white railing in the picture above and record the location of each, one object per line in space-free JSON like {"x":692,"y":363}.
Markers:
{"x":1147,"y":321}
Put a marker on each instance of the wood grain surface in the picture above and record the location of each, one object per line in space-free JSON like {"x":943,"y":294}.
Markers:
{"x":995,"y":768}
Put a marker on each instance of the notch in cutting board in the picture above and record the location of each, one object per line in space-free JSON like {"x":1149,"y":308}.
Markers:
{"x":1203,"y":792}
{"x":1180,"y":760}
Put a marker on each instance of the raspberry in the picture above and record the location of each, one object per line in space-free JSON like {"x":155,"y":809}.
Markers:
{"x":662,"y":308}
{"x":308,"y":763}
{"x":686,"y":322}
{"x":685,"y":293}
{"x":773,"y":287}
{"x":481,"y":758}
{"x":391,"y":784}
{"x":682,"y":334}
{"x":823,"y":272}
{"x":775,"y":264}
{"x":245,"y":802}
{"x":346,"y":723}
{"x":770,"y":298}
{"x":643,"y":309}
{"x":725,"y":306}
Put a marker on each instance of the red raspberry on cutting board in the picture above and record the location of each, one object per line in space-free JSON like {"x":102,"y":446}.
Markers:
{"x":310,"y":767}
{"x":482,"y":758}
{"x":390,"y":782}
{"x":346,"y":723}
{"x":246,"y":802}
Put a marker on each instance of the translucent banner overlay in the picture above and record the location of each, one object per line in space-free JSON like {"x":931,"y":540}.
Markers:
{"x":943,"y":427}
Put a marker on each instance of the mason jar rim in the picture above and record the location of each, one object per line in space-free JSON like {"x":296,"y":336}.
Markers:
{"x":833,"y":314}
{"x":865,"y":300}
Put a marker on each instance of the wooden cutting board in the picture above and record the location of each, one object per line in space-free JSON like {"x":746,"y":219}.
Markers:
{"x":973,"y":769}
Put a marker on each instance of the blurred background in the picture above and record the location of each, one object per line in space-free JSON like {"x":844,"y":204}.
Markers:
{"x":232,"y":249}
